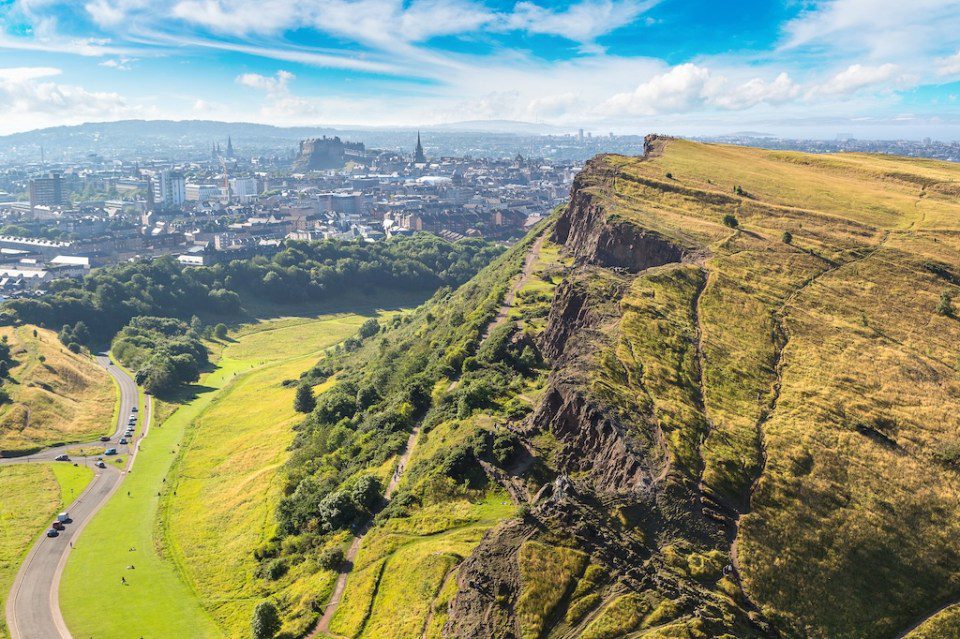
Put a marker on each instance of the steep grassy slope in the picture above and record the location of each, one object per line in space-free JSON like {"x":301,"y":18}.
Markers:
{"x":63,"y":397}
{"x":716,"y":396}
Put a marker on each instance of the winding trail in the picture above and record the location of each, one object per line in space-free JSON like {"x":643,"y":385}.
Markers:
{"x":323,"y":626}
{"x":503,"y":313}
{"x":33,"y":609}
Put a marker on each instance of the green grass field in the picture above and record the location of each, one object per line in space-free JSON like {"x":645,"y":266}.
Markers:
{"x":201,"y":497}
{"x":226,"y":479}
{"x":32,"y":495}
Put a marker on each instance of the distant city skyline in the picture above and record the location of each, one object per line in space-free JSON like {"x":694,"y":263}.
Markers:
{"x":867,"y":68}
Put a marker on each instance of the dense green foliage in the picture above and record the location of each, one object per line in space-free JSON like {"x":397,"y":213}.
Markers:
{"x":109,"y":298}
{"x":386,"y":384}
{"x":164,"y":352}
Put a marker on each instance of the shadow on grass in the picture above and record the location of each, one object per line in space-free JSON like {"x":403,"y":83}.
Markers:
{"x":188,"y":393}
{"x":366,"y":304}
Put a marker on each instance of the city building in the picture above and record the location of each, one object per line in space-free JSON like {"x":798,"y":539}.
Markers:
{"x":201,"y":192}
{"x":169,"y":189}
{"x":47,"y":191}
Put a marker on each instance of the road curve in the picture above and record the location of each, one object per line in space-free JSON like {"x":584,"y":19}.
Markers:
{"x":33,"y":610}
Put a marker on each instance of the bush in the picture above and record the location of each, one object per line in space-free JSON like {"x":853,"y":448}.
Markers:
{"x":266,"y":621}
{"x":276,"y":569}
{"x":731,"y":220}
{"x":945,"y":306}
{"x":787,"y":237}
{"x":330,"y":558}
{"x":369,"y":328}
{"x":220,"y":331}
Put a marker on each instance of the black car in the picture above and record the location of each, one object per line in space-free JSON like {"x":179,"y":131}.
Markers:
{"x":104,"y":439}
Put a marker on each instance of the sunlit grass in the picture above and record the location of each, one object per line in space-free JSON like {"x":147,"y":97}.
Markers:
{"x":32,"y":494}
{"x":64,"y":398}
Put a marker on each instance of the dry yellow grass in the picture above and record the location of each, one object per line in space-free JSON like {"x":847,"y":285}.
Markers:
{"x":827,"y":373}
{"x":64,"y":398}
{"x":547,"y":575}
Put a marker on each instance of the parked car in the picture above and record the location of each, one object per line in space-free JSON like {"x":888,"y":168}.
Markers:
{"x":110,"y":451}
{"x":123,"y":440}
{"x":61,"y":458}
{"x":100,"y":464}
{"x":52,"y":532}
{"x":64,"y":517}
{"x":58,"y":525}
{"x":104,"y":439}
{"x":134,"y":409}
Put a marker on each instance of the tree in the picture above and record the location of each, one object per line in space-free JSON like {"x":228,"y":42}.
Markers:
{"x":266,"y":621}
{"x":731,"y":221}
{"x":366,"y":492}
{"x":220,"y":331}
{"x":80,"y":333}
{"x":787,"y":237}
{"x":304,"y":402}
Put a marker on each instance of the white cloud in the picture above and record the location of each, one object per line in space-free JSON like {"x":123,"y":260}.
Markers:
{"x":581,"y":22}
{"x":25,"y":74}
{"x":110,"y":13}
{"x":27,"y":97}
{"x":681,"y":88}
{"x":274,"y":86}
{"x":690,"y":87}
{"x":857,"y":77}
{"x":120,"y":64}
{"x":876,"y":29}
{"x":949,"y":65}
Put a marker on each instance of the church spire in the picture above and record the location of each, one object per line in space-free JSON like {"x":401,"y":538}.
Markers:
{"x":229,"y":147}
{"x":418,"y":156}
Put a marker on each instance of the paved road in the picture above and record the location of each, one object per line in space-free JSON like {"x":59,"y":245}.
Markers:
{"x":33,"y":610}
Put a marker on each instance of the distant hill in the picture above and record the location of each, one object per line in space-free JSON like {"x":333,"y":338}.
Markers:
{"x":126,"y":139}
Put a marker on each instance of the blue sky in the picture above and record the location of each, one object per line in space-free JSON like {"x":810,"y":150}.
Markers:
{"x":875,"y":68}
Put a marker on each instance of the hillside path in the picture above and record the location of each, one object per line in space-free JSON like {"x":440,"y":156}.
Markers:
{"x":323,"y":626}
{"x":503,"y":313}
{"x":33,"y":606}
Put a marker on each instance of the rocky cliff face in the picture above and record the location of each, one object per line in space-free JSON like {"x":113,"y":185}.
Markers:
{"x":615,"y":495}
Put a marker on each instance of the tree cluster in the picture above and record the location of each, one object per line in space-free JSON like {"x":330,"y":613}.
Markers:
{"x":164,"y":352}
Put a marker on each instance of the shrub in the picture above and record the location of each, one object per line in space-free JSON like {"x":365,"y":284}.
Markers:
{"x":945,"y":306}
{"x":220,"y":331}
{"x":266,"y":621}
{"x":787,"y":237}
{"x":276,"y":569}
{"x":369,"y":328}
{"x":731,"y":220}
{"x":330,"y":558}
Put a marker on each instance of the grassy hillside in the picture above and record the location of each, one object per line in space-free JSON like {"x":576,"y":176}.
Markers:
{"x":721,"y":395}
{"x":811,"y":381}
{"x":225,"y":478}
{"x":63,"y":397}
{"x":32,"y":495}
